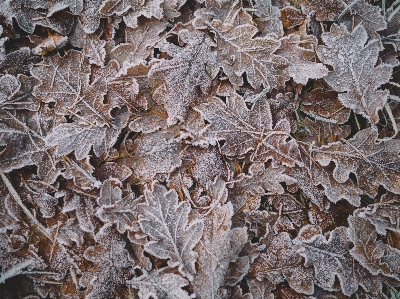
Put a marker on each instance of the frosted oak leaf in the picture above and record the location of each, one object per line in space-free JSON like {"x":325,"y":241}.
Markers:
{"x":58,"y":83}
{"x":219,"y":245}
{"x":280,"y":261}
{"x":373,"y":163}
{"x":139,"y":43}
{"x":159,"y":284}
{"x":81,"y":137}
{"x":326,"y":10}
{"x":367,"y":249}
{"x":117,"y":209}
{"x":132,"y":9}
{"x":384,"y":215}
{"x":206,"y":164}
{"x":156,"y":153}
{"x":301,"y":67}
{"x":247,"y":130}
{"x":23,"y":144}
{"x":111,"y":264}
{"x":239,"y":52}
{"x":261,"y":179}
{"x":355,"y":75}
{"x":185,"y":75}
{"x":330,"y":256}
{"x":167,"y":222}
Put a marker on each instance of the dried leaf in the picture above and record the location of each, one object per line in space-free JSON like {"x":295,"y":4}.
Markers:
{"x":355,"y":75}
{"x":326,"y":10}
{"x":167,"y":223}
{"x":111,"y":264}
{"x":236,"y":56}
{"x":188,"y":62}
{"x":245,"y":130}
{"x":155,"y":153}
{"x":160,"y":285}
{"x":373,"y":163}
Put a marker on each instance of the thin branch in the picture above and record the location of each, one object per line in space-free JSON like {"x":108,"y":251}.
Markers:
{"x":15,"y":270}
{"x":17,"y":198}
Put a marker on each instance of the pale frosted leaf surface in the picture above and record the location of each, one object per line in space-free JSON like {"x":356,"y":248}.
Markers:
{"x":28,"y":18}
{"x":384,"y":215}
{"x":81,"y":137}
{"x":117,"y":209}
{"x":139,"y":43}
{"x":24,"y":145}
{"x":161,"y":285}
{"x":8,"y":86}
{"x":216,"y":149}
{"x":218,"y":246}
{"x":260,"y":180}
{"x":84,"y":206}
{"x":329,"y":256}
{"x":236,"y":55}
{"x":132,"y":9}
{"x":260,"y":289}
{"x":369,"y":16}
{"x":16,"y":93}
{"x":185,"y":75}
{"x":214,"y":10}
{"x":78,"y":138}
{"x":281,"y":261}
{"x":110,"y":264}
{"x":62,"y":79}
{"x":90,"y":16}
{"x":367,"y":249}
{"x":166,"y":222}
{"x":248,"y":130}
{"x":92,"y":46}
{"x":271,"y":20}
{"x":372,"y":162}
{"x":326,"y":10}
{"x":314,"y":174}
{"x":157,"y":153}
{"x":301,"y":60}
{"x":208,"y":164}
{"x":355,"y":75}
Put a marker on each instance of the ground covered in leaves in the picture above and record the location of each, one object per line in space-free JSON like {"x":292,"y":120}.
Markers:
{"x":199,"y":149}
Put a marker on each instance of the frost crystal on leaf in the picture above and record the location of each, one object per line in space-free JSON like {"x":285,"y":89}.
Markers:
{"x":355,"y":75}
{"x":167,"y":223}
{"x":212,"y":149}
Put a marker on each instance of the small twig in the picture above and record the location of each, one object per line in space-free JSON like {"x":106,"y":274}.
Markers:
{"x":394,"y":12}
{"x":39,"y":272}
{"x":358,"y":124}
{"x":346,"y":10}
{"x":17,"y":198}
{"x":394,"y":83}
{"x":15,"y":270}
{"x":391,"y":117}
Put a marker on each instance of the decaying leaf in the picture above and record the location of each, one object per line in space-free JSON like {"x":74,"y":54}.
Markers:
{"x":111,"y":264}
{"x":237,"y":56}
{"x":249,"y":130}
{"x":355,"y":75}
{"x":326,"y":10}
{"x":166,"y":222}
{"x":281,"y":261}
{"x":215,"y":149}
{"x":373,"y":163}
{"x":189,"y":64}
